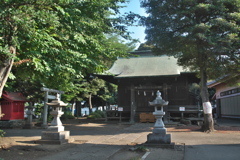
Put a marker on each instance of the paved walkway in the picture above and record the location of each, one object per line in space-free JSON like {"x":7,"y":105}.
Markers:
{"x":112,"y":141}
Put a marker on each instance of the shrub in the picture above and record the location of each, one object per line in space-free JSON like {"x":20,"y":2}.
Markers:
{"x":142,"y":149}
{"x":96,"y":114}
{"x":91,"y":116}
{"x":101,"y":113}
{"x":67,"y":115}
{"x":2,"y":133}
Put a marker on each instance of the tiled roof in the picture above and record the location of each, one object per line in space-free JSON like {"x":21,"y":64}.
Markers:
{"x":146,"y":66}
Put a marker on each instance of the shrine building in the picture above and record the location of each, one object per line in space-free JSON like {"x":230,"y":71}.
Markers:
{"x":139,"y":77}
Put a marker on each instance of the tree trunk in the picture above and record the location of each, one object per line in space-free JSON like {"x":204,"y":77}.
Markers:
{"x":208,"y":125}
{"x":90,"y":103}
{"x":5,"y":68}
{"x":1,"y":114}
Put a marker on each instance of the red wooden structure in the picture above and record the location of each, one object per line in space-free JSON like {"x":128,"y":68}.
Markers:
{"x":12,"y":105}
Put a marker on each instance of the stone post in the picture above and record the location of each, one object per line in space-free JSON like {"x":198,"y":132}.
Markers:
{"x":45,"y":111}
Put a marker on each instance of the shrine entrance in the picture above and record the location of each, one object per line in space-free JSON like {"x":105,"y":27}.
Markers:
{"x":140,"y":96}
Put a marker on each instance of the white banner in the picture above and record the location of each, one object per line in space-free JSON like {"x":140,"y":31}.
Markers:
{"x":207,"y":107}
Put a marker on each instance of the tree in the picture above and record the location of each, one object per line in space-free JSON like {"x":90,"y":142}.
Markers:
{"x":144,"y":46}
{"x":108,"y":94}
{"x":91,"y":87}
{"x":57,"y":40}
{"x":202,"y":34}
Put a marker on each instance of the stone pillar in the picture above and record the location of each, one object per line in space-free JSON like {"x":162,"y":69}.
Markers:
{"x":45,"y":111}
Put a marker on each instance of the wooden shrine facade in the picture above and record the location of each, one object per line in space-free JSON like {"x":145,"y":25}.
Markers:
{"x":135,"y":93}
{"x":139,"y":78}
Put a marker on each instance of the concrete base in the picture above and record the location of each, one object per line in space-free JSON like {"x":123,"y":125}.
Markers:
{"x":159,"y":131}
{"x":53,"y":142}
{"x":172,"y":145}
{"x":51,"y":137}
{"x":159,"y":138}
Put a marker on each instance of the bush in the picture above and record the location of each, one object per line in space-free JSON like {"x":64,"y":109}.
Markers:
{"x":101,"y":113}
{"x":96,"y":114}
{"x":66,"y":116}
{"x":2,"y":133}
{"x":91,"y":116}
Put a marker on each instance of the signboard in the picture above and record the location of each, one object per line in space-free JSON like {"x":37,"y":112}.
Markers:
{"x":181,"y":108}
{"x":120,"y":108}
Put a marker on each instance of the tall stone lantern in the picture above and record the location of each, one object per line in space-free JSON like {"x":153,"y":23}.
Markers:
{"x":159,"y":136}
{"x":56,"y":124}
{"x":55,"y":133}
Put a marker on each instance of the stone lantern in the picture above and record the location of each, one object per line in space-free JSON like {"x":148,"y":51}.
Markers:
{"x":159,"y":135}
{"x":55,"y":133}
{"x":56,"y":124}
{"x":29,"y":113}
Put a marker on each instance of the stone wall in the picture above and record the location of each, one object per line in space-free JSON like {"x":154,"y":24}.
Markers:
{"x":12,"y":124}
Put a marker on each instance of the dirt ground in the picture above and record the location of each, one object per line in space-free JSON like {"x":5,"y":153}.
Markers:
{"x":15,"y":149}
{"x":10,"y":149}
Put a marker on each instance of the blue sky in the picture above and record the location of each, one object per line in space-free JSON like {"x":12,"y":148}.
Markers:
{"x":134,"y":6}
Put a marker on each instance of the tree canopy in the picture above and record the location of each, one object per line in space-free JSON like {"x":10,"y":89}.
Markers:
{"x":200,"y":33}
{"x":203,"y":34}
{"x":56,"y":41}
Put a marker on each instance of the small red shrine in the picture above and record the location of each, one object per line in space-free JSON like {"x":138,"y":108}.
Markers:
{"x":12,"y":105}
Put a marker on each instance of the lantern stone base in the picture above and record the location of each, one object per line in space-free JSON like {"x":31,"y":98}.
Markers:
{"x":51,"y":137}
{"x":158,"y":138}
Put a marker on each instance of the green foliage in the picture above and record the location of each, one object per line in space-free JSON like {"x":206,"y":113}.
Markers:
{"x":2,"y":133}
{"x":96,"y":114}
{"x":67,"y":115}
{"x":49,"y":118}
{"x":194,"y":88}
{"x":58,"y":42}
{"x":144,"y":46}
{"x":201,"y":34}
{"x":108,"y":93}
{"x":98,"y":88}
{"x":38,"y":109}
{"x":142,"y":148}
{"x":91,"y":86}
{"x":101,"y":113}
